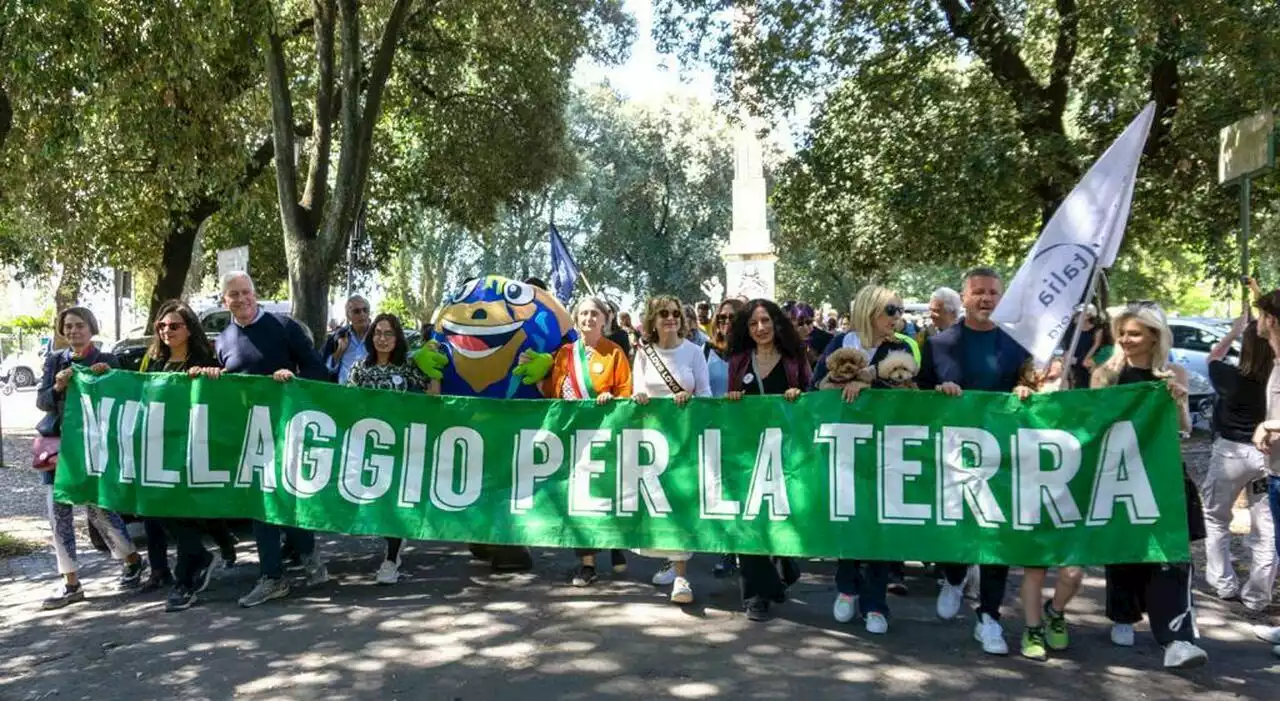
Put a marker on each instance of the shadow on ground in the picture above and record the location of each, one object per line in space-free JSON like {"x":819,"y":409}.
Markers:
{"x":452,"y":630}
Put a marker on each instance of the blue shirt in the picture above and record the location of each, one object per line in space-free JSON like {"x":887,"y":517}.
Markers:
{"x":272,"y":342}
{"x":980,"y":361}
{"x":355,"y":353}
{"x":717,"y":374}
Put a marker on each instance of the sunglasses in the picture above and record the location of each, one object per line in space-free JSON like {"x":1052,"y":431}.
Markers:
{"x":669,"y":314}
{"x":723,"y":318}
{"x":804,"y":321}
{"x":893,"y":310}
{"x":174,"y":326}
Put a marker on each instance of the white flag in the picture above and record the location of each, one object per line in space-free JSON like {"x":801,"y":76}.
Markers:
{"x":1084,"y":232}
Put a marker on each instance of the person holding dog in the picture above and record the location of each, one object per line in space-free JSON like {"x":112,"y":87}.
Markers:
{"x":871,"y":342}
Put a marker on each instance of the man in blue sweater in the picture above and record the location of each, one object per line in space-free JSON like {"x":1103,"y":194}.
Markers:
{"x":976,"y":355}
{"x":258,"y":342}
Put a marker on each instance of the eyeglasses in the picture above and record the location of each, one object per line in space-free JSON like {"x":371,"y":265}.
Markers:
{"x":669,"y":314}
{"x":358,"y":310}
{"x":384,"y":334}
{"x":172,"y":326}
{"x":893,"y":310}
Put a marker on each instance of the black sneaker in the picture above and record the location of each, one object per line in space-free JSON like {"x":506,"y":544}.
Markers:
{"x":180,"y":599}
{"x":156,"y":581}
{"x":66,"y":595}
{"x":131,"y":574}
{"x":727,"y":565}
{"x":758,"y":610}
{"x":584,"y":576}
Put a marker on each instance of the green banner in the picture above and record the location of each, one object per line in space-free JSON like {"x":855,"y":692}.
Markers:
{"x":1085,"y":477}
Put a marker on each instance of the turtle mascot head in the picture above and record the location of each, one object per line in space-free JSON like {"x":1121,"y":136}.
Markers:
{"x":486,"y":324}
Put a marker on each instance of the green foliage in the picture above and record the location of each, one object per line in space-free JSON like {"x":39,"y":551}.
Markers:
{"x":26,"y":322}
{"x":945,"y":131}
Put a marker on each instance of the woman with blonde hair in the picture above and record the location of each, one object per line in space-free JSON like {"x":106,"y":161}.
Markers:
{"x":1161,"y":590}
{"x":667,"y":364}
{"x":861,"y":586}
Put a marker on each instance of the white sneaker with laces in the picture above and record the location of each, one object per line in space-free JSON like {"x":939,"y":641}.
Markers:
{"x":1122,"y":634}
{"x":989,"y":632}
{"x":388,"y":572}
{"x":949,"y":600}
{"x":1181,"y":654}
{"x":665,"y":576}
{"x":877,"y":624}
{"x":681,"y":592}
{"x":1268,"y":634}
{"x":845,"y":607}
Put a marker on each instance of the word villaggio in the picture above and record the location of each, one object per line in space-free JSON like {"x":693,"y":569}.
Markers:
{"x":965,"y":460}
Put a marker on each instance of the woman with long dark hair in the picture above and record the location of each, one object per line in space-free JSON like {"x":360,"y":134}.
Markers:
{"x":386,"y":365}
{"x":180,"y":345}
{"x":1236,"y":464}
{"x":766,"y":356}
{"x":1267,"y":434}
{"x":1162,"y":591}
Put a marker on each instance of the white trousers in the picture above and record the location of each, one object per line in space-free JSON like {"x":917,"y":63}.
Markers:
{"x":1233,"y":469}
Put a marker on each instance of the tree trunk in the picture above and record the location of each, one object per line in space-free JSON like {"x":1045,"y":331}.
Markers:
{"x":309,"y":286}
{"x":175,"y":256}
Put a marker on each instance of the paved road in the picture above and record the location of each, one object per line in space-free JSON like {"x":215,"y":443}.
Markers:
{"x":453,"y":631}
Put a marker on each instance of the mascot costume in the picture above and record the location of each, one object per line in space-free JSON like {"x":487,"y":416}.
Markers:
{"x":495,"y":337}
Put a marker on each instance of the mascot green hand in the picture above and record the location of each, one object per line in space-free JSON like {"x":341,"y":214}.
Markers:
{"x":533,"y":367}
{"x":431,"y":361}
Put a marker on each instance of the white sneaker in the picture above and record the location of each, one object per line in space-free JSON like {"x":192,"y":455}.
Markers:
{"x":989,"y":632}
{"x":388,"y":572}
{"x":844,"y":608}
{"x":1267,"y":634}
{"x":949,"y":600}
{"x":877,"y":624}
{"x":972,"y":583}
{"x":317,"y":573}
{"x":1122,"y":634}
{"x":1181,"y":654}
{"x":681,"y":592}
{"x":665,"y":576}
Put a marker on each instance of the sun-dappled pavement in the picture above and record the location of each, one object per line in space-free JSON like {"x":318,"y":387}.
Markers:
{"x":453,"y":630}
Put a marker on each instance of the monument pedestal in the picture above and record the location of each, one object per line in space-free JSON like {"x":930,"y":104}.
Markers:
{"x":749,"y":275}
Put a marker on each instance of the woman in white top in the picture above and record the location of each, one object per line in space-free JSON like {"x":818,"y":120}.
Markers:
{"x":668,"y":365}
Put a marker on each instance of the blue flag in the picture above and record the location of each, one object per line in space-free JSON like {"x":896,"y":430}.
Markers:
{"x":564,"y":272}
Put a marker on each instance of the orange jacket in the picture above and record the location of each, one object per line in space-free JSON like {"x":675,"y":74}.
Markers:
{"x":609,"y":369}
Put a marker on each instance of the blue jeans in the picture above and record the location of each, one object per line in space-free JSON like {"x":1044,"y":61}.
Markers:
{"x":870,"y":586}
{"x":1273,"y":495}
{"x":270,"y":555}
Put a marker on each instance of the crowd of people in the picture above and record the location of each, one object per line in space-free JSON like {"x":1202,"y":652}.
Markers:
{"x":741,"y":347}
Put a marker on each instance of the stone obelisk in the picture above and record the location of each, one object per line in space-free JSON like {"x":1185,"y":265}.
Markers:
{"x":749,"y":258}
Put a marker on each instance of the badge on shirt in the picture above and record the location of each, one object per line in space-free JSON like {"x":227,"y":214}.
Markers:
{"x":597,"y":368}
{"x":397,"y":380}
{"x":748,"y":378}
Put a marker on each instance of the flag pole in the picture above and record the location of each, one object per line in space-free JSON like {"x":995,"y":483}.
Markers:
{"x":1068,"y":359}
{"x":587,"y":282}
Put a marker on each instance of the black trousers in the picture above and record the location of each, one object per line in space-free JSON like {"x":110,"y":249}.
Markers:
{"x":991,"y":588}
{"x":192,"y":556}
{"x":1162,"y":591}
{"x":765,"y":577}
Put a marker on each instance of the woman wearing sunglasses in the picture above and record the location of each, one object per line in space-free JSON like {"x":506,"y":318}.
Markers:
{"x":386,"y":366}
{"x":669,"y":365}
{"x":180,"y":345}
{"x":873,"y":320}
{"x":814,"y":338}
{"x":765,"y":357}
{"x":1162,"y":591}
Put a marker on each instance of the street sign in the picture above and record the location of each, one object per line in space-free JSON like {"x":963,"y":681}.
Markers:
{"x":232,"y":260}
{"x":1247,"y":148}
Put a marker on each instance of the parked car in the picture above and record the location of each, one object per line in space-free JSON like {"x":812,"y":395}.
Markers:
{"x":1193,"y":339}
{"x":129,"y":351}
